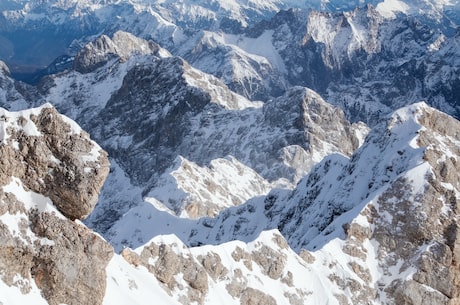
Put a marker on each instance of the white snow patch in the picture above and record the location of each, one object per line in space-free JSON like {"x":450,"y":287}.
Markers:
{"x":11,"y":120}
{"x":127,"y":284}
{"x":93,"y":155}
{"x":31,"y":199}
{"x":12,"y":295}
{"x":436,"y":46}
{"x":262,"y":46}
{"x":217,"y":90}
{"x":389,"y":8}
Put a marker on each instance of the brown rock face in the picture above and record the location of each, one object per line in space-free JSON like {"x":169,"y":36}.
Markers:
{"x":67,"y":167}
{"x":45,"y":154}
{"x":72,"y":271}
{"x":169,"y":264}
{"x":424,"y":229}
{"x":252,"y":296}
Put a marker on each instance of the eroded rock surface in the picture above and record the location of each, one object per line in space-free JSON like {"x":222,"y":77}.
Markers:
{"x":50,"y":174}
{"x":196,"y":272}
{"x":51,"y":157}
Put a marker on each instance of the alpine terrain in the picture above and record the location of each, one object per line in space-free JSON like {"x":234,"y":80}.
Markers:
{"x":229,"y":152}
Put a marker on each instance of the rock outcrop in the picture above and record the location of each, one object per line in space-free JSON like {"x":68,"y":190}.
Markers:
{"x":50,"y":174}
{"x":122,"y":45}
{"x":227,"y":270}
{"x":53,"y":157}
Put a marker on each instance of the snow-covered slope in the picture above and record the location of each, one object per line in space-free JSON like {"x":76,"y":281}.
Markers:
{"x":379,"y":223}
{"x":362,"y":60}
{"x":359,"y":60}
{"x":214,"y":198}
{"x":379,"y":227}
{"x":202,"y":130}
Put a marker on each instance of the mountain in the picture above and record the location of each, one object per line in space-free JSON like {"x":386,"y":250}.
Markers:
{"x":367,"y":58}
{"x":363,"y":229}
{"x":123,"y":88}
{"x":380,"y":223}
{"x":55,"y":28}
{"x":359,"y":60}
{"x":51,"y":175}
{"x":234,"y":166}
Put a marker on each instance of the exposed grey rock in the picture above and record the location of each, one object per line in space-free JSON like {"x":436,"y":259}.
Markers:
{"x":167,"y":265}
{"x":195,"y":275}
{"x":16,"y":258}
{"x":239,"y":254}
{"x":212,"y":263}
{"x":237,"y":284}
{"x":412,"y":292}
{"x":270,"y":261}
{"x":306,"y":256}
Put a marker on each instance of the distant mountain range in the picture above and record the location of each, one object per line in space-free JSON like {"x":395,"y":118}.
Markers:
{"x":261,"y":152}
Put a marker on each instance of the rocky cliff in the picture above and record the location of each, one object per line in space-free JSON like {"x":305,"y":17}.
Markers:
{"x":51,"y":174}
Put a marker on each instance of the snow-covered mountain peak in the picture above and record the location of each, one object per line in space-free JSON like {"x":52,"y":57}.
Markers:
{"x":121,"y":46}
{"x":344,"y":35}
{"x":218,"y":91}
{"x":433,"y":9}
{"x":4,"y":70}
{"x":224,"y":199}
